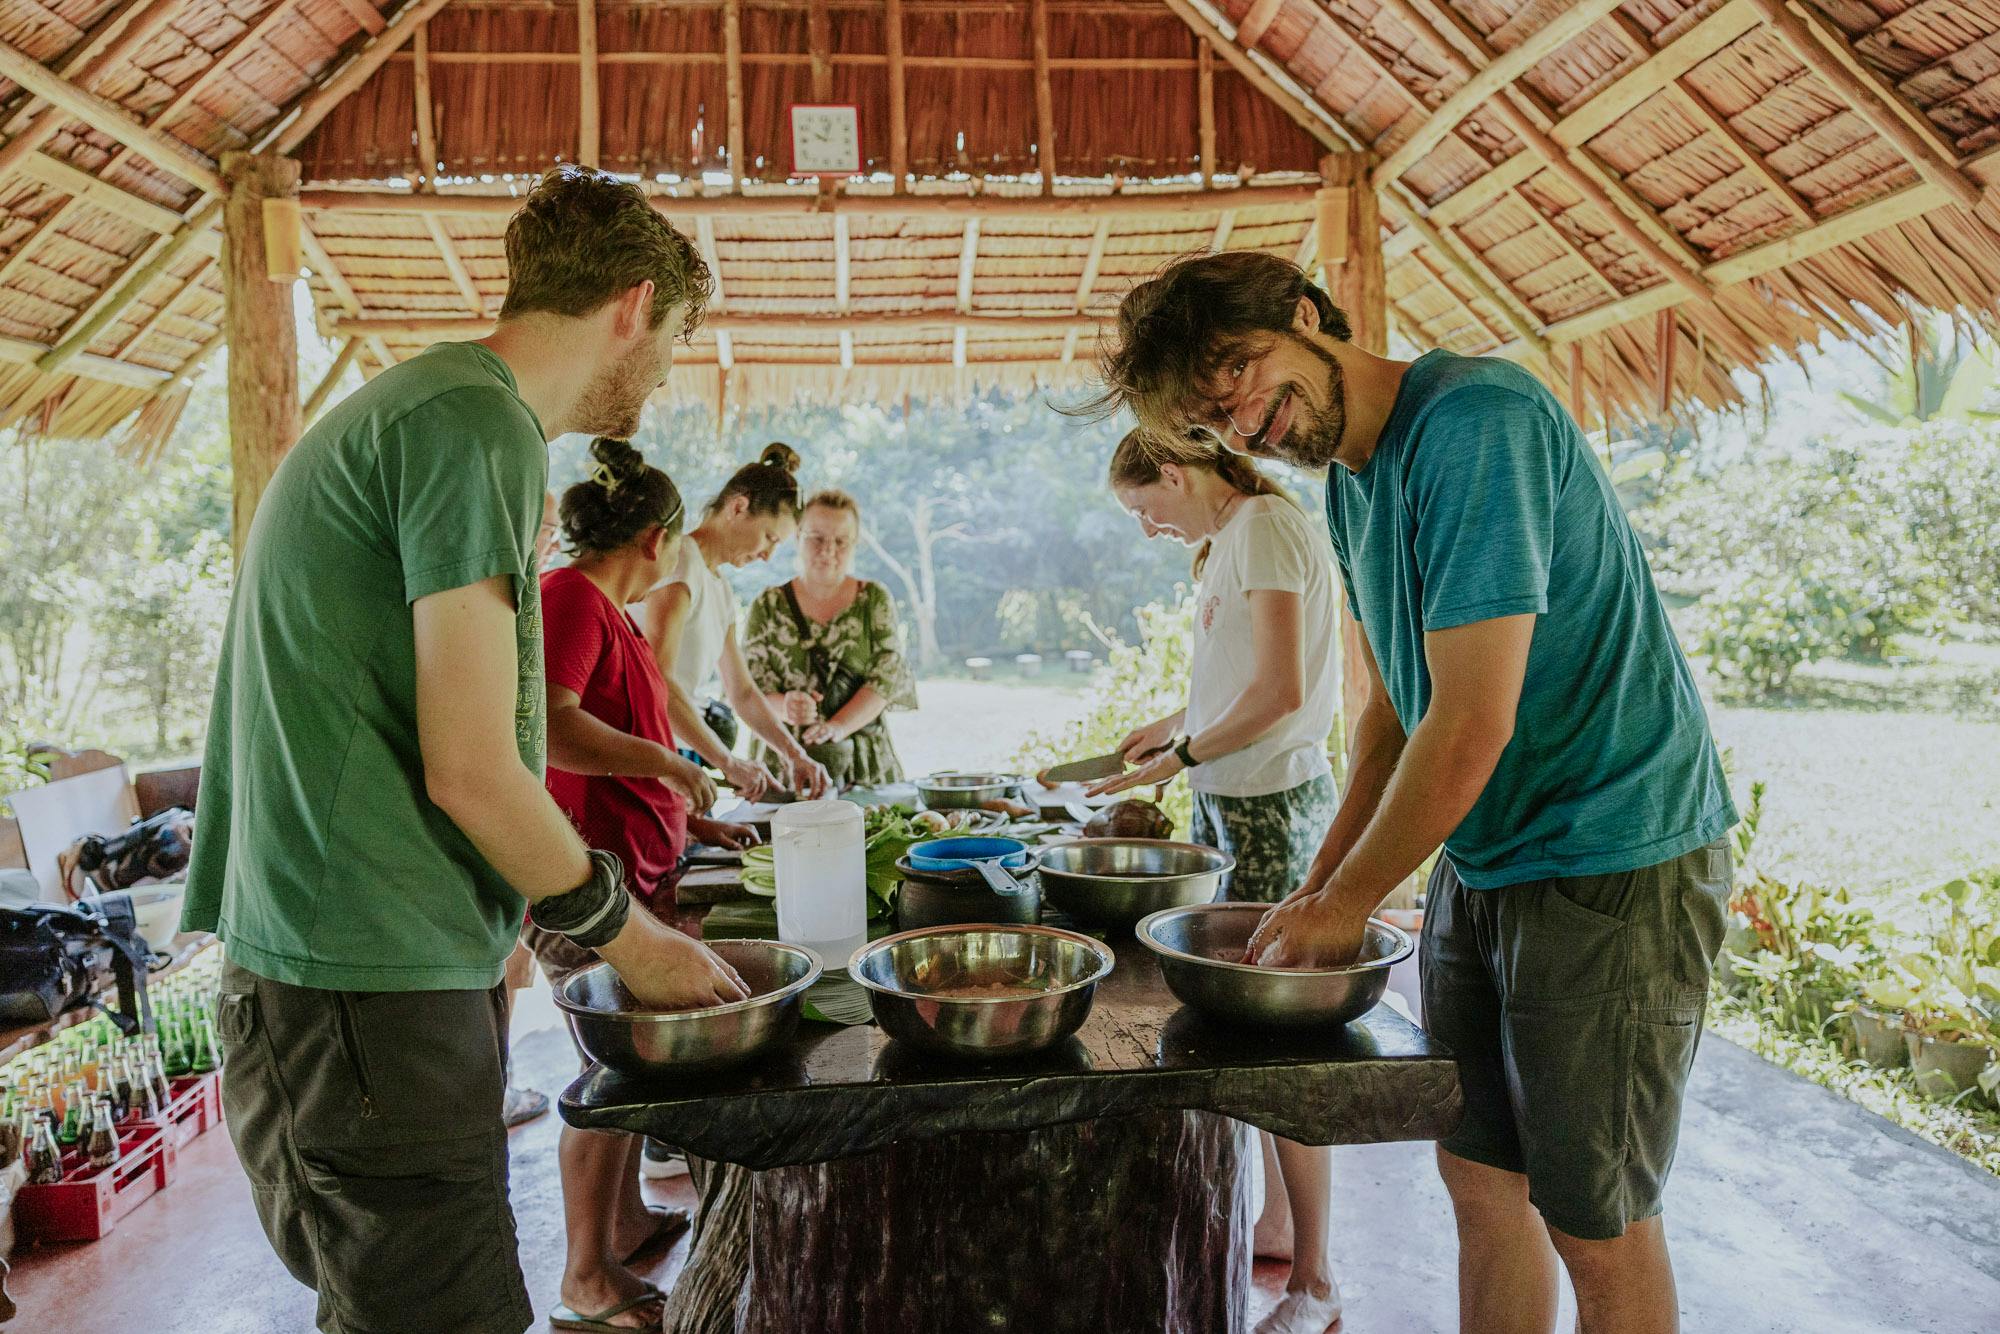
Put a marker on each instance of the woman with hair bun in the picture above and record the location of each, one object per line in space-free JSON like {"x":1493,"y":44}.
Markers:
{"x":1252,"y":739}
{"x":690,"y":618}
{"x":614,"y":770}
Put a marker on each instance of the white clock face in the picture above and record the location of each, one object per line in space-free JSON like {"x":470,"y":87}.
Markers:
{"x":826,"y":140}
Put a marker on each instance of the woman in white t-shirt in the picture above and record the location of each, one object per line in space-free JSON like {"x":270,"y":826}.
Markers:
{"x":1261,"y":700}
{"x":690,"y":620}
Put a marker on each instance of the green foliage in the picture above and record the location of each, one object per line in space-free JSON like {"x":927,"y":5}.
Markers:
{"x":1940,"y":373}
{"x":159,"y":619}
{"x":1138,"y":684}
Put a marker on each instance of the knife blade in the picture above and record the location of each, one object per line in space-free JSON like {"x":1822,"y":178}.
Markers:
{"x":1083,"y":771}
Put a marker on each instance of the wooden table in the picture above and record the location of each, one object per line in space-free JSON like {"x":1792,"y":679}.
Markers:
{"x":1092,"y":1187}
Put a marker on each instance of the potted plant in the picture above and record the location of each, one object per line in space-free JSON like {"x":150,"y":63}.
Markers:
{"x":1876,"y":1024}
{"x":1950,"y":1034}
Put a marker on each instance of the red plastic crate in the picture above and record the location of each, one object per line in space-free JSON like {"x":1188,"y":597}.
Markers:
{"x":85,"y":1205}
{"x":194,"y":1104}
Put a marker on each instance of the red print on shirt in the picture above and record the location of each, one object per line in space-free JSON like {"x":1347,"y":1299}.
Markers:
{"x":1208,"y":612}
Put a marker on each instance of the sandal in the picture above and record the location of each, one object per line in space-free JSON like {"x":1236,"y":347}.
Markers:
{"x":668,"y":1224}
{"x":601,"y":1323}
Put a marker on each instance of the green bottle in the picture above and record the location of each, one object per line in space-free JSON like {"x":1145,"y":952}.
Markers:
{"x":173,"y":1044}
{"x":76,"y":1109}
{"x":204,"y":1056}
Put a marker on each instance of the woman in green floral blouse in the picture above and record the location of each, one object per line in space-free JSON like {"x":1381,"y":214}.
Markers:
{"x":826,"y":651}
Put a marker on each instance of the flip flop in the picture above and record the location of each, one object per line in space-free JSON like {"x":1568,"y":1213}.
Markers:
{"x":600,"y":1323}
{"x":668,"y":1224}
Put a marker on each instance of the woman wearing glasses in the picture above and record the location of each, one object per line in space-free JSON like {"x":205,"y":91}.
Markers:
{"x":825,"y":649}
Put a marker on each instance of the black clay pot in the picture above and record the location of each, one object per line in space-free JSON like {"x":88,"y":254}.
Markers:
{"x":954,"y":898}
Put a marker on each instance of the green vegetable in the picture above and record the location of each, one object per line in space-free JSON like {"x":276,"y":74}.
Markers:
{"x":890,"y":834}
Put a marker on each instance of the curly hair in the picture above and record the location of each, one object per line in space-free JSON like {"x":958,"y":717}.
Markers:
{"x":622,"y":498}
{"x":583,"y":237}
{"x":1179,"y":331}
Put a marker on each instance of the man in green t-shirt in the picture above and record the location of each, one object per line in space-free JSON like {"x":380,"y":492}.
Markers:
{"x":1531,"y":719}
{"x":373,"y":820}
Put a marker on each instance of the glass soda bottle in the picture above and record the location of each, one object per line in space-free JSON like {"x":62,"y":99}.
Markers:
{"x":103,"y":1144}
{"x":76,"y":1111}
{"x":44,"y":1158}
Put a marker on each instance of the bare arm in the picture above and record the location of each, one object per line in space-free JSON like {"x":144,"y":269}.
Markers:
{"x":1371,"y":757}
{"x":468,"y":678}
{"x":664,"y":616}
{"x":581,"y":743}
{"x":738,"y":687}
{"x":864,"y":708}
{"x":1476,"y":675}
{"x":1279,"y":692}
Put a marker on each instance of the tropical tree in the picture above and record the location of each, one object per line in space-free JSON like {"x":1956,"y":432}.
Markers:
{"x":1939,"y":373}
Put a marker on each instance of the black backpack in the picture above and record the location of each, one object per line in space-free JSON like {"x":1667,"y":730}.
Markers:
{"x":53,"y":955}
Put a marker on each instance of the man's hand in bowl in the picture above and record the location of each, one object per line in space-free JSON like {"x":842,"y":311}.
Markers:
{"x":665,"y":970}
{"x":1307,"y":931}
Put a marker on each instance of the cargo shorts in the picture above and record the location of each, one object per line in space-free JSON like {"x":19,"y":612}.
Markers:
{"x":1574,"y":1007}
{"x":369,"y":1126}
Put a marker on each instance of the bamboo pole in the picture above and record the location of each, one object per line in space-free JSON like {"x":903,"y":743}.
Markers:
{"x":1666,"y":348}
{"x":1257,"y":21}
{"x":317,"y":105}
{"x":1045,"y":98}
{"x":732,"y":73}
{"x":1205,"y":110}
{"x":1022,"y":326}
{"x":263,"y":340}
{"x":140,"y":27}
{"x":322,"y":391}
{"x":590,"y":108}
{"x":420,"y":83}
{"x":108,"y":118}
{"x":899,"y":116}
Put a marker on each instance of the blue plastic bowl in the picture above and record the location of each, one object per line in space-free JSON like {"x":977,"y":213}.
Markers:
{"x":955,"y":854}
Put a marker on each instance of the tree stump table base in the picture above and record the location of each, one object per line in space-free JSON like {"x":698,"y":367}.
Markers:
{"x":1128,"y":1223}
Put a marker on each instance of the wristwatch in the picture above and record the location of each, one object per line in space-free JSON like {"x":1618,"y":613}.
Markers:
{"x":1183,"y":754}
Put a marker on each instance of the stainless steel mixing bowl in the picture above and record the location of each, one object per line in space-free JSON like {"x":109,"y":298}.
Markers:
{"x":642,"y":1042}
{"x":1198,"y":948}
{"x":982,"y":991}
{"x":952,"y":790}
{"x":1117,"y":881}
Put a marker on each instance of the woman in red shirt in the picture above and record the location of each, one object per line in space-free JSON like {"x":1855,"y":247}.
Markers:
{"x":614,"y":771}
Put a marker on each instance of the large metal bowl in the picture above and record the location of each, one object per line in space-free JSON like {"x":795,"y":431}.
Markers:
{"x":961,"y":791}
{"x":1198,"y":948}
{"x":982,"y":991}
{"x":1117,"y":881}
{"x":642,"y":1042}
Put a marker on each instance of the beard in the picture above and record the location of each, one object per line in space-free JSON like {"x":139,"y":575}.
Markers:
{"x":614,"y":399}
{"x":1315,"y":435}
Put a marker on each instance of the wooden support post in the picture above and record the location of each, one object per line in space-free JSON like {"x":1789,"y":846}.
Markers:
{"x":732,"y":75}
{"x":1666,"y":341}
{"x":819,"y":37}
{"x":1045,"y":99}
{"x":1204,"y":73}
{"x":427,"y":150}
{"x":322,"y":391}
{"x":899,"y":116}
{"x":1576,"y":385}
{"x":1350,"y":253}
{"x":588,"y":132}
{"x":263,"y":342}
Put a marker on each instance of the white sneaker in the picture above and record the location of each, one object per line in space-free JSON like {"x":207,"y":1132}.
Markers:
{"x":1302,"y":1313}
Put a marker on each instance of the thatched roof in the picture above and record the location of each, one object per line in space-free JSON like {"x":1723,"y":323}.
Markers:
{"x":1634,"y":198}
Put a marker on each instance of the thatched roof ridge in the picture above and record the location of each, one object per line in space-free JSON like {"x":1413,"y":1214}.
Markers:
{"x":1637,"y":198}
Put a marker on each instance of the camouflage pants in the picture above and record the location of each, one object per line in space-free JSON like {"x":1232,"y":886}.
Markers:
{"x":1273,"y":838}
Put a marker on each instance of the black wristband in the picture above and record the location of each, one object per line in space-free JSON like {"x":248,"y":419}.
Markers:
{"x":1183,"y":754}
{"x":594,"y":912}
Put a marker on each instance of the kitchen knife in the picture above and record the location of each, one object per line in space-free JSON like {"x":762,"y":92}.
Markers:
{"x":1083,"y":771}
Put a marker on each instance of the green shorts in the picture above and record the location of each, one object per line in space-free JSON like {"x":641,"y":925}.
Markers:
{"x":1574,"y":1007}
{"x":1273,"y":838}
{"x":369,"y":1126}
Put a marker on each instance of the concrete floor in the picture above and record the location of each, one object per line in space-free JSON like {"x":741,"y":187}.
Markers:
{"x":1791,"y":1211}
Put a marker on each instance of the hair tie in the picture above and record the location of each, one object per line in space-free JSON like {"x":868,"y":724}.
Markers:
{"x":600,"y":473}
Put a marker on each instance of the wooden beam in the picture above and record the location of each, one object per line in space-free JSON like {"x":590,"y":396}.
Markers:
{"x":1205,"y":111}
{"x":1666,"y":348}
{"x":968,"y":261}
{"x":1482,"y":83}
{"x":589,"y":135}
{"x":1485,"y":284}
{"x":795,"y":204}
{"x":358,"y":69}
{"x":704,"y":239}
{"x":899,"y":121}
{"x":1045,"y":98}
{"x":1869,"y":96}
{"x":819,"y":44}
{"x":86,"y":188}
{"x":1092,"y":262}
{"x":1218,"y":240}
{"x":263,"y":337}
{"x":420,"y":83}
{"x":1257,"y":21}
{"x":329,"y":273}
{"x":455,"y":266}
{"x":140,"y":26}
{"x":151,"y":324}
{"x":1622,"y":95}
{"x":1910,"y":202}
{"x":732,"y":67}
{"x":840,"y":263}
{"x":1697,"y":108}
{"x":349,"y":350}
{"x":108,"y":118}
{"x":222,"y":62}
{"x":105,"y":370}
{"x":130,"y":287}
{"x":1568,"y":246}
{"x":368,"y":18}
{"x":1021,"y":326}
{"x":1461,"y":204}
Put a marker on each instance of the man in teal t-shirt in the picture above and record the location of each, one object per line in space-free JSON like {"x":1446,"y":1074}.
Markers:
{"x":1530,"y":713}
{"x":373,"y":819}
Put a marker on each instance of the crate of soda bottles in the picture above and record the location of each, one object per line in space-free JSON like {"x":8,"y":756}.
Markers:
{"x":152,"y":1092}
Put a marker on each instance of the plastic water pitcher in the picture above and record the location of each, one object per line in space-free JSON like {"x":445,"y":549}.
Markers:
{"x":821,"y":861}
